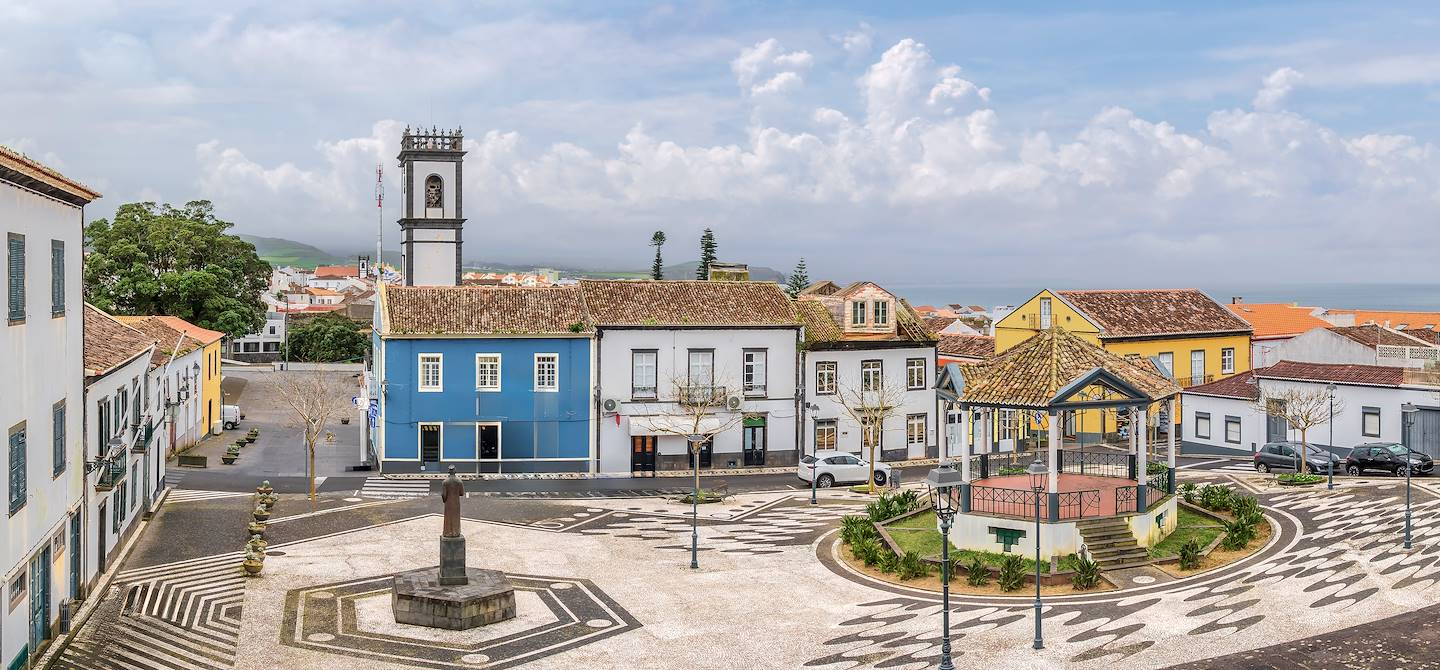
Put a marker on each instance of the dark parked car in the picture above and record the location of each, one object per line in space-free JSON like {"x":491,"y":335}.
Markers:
{"x":1281,"y":456}
{"x":1387,"y":456}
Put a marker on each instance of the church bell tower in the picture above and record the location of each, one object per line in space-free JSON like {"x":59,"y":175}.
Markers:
{"x":431,"y":169}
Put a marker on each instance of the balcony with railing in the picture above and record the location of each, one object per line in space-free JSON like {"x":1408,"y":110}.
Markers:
{"x":701,"y":394}
{"x":112,"y":472}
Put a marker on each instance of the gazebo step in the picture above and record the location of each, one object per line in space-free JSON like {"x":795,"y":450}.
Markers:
{"x":1113,"y":553}
{"x":1126,"y":564}
{"x":1101,"y":533}
{"x":1115,"y":543}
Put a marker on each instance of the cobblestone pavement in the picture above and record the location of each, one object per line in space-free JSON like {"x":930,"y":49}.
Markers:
{"x":606,"y":583}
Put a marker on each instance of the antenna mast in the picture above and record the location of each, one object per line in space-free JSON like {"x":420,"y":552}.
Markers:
{"x":380,"y":217}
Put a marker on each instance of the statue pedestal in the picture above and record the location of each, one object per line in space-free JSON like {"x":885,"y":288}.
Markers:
{"x":420,"y":598}
{"x":452,"y":561}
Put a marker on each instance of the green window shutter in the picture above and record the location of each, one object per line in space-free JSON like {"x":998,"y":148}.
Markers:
{"x":57,"y":277}
{"x":17,"y":469}
{"x":59,"y":436}
{"x":15,"y":277}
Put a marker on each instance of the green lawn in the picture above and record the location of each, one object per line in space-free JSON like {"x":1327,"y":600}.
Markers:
{"x":918,"y":534}
{"x":1190,"y":524}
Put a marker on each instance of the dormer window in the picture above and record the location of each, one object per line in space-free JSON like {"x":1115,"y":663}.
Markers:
{"x":857,"y":313}
{"x":882,"y":313}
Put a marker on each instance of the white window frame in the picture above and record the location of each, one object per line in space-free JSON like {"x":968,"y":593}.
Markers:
{"x":910,"y":369}
{"x":858,"y":309}
{"x":1167,"y":361}
{"x":554,"y":360}
{"x":868,"y":384}
{"x":911,"y":421}
{"x":870,"y":428}
{"x":496,"y":360}
{"x":830,"y":372}
{"x":1205,"y":418}
{"x":881,"y":311}
{"x":830,"y":426}
{"x":438,"y":360}
{"x":753,"y":382}
{"x":499,"y":442}
{"x":1046,"y":314}
{"x":1227,"y":361}
{"x":639,"y":390}
{"x":1197,"y":376}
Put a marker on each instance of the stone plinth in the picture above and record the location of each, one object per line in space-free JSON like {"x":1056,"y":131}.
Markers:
{"x":452,"y":561}
{"x":419,"y":598}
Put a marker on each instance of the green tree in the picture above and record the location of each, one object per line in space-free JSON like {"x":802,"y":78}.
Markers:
{"x":176,"y":261}
{"x":328,"y":338}
{"x":707,"y":254}
{"x":798,"y":280}
{"x":657,"y":269}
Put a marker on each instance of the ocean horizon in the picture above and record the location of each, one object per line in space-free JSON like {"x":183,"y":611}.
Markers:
{"x":1378,"y":296}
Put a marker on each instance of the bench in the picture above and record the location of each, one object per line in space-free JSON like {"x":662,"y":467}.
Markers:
{"x":721,"y":490}
{"x":188,"y":461}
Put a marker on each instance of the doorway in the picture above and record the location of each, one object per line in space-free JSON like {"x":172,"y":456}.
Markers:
{"x":430,"y":441}
{"x":100,"y":539}
{"x":40,"y":598}
{"x":752,"y":441}
{"x":488,"y":437}
{"x":1275,"y":426}
{"x":75,"y":556}
{"x":705,"y":451}
{"x":642,"y":455}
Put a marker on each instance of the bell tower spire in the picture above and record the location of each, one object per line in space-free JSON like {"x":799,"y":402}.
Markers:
{"x":431,"y":170}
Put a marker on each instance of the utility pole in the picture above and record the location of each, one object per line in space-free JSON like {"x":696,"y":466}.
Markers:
{"x":379,"y":218}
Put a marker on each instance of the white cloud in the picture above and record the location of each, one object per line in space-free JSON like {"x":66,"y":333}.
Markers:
{"x":1277,"y":86}
{"x":856,"y":42}
{"x":767,"y":68}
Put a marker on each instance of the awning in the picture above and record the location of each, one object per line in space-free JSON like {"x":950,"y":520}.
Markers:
{"x":672,"y":425}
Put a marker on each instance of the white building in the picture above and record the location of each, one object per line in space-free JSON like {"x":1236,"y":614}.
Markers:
{"x":1223,"y":415}
{"x":118,"y":434}
{"x":860,"y":338}
{"x":264,"y":346}
{"x":659,"y":342}
{"x":1361,"y":345}
{"x":41,"y":218}
{"x":431,"y":229}
{"x":173,"y":399}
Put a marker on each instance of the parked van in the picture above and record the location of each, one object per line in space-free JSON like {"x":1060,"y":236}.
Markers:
{"x":230,"y":416}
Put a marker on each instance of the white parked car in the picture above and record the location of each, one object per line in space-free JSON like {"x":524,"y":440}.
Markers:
{"x":839,"y":467}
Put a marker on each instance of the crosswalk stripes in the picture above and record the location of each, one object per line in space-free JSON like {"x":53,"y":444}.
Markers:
{"x":177,"y":615}
{"x":174,"y":477}
{"x":381,"y":487}
{"x":188,"y":495}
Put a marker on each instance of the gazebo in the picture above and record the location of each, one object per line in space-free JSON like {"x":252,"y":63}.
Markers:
{"x":1042,"y":379}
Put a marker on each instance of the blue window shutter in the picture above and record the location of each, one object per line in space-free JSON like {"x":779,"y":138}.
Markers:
{"x":59,"y":432}
{"x":15,"y":277}
{"x":17,"y":469}
{"x":57,"y":277}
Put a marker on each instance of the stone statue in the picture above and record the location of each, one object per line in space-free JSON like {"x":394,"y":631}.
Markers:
{"x":450,"y":494}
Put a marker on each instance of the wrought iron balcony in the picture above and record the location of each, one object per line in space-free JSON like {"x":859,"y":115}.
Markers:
{"x":143,"y":434}
{"x":695,"y":394}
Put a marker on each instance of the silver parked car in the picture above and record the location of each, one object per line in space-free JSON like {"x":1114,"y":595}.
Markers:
{"x":832,"y":467}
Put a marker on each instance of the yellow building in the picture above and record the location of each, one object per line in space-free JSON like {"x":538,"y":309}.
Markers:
{"x":209,"y":372}
{"x":1184,"y":331}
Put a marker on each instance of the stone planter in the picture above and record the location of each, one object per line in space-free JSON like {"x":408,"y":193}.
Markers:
{"x":256,"y":528}
{"x":254,"y":563}
{"x":227,"y":459}
{"x":265,"y":488}
{"x":257,"y":544}
{"x":261,"y":514}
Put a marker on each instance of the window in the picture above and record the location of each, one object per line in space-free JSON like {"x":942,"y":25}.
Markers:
{"x":1045,"y":313}
{"x":1167,"y":361}
{"x":882,"y":313}
{"x":702,"y":368}
{"x":434,"y":192}
{"x":547,"y":372}
{"x":271,"y":330}
{"x":915,"y":429}
{"x":1370,"y":421}
{"x":754,"y":375}
{"x":1232,"y":429}
{"x":1197,"y":366}
{"x":252,"y":347}
{"x":1227,"y":361}
{"x":871,"y":433}
{"x":857,"y":313}
{"x":57,"y":278}
{"x":487,"y":372}
{"x":432,"y":378}
{"x":871,"y":375}
{"x":487,"y":440}
{"x":57,"y":431}
{"x":643,"y":374}
{"x":825,"y":378}
{"x":17,"y":589}
{"x":270,"y":347}
{"x":15,"y":277}
{"x":235,"y":346}
{"x":135,"y":396}
{"x":915,"y":374}
{"x":1202,"y":425}
{"x":825,"y":434}
{"x":102,"y":410}
{"x":17,"y":467}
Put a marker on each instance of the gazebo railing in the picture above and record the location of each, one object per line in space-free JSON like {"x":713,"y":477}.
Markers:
{"x":1095,"y":463}
{"x":1021,"y":503}
{"x":1079,"y":504}
{"x":1125,"y":497}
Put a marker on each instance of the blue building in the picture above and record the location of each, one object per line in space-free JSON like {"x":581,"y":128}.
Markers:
{"x":488,"y":379}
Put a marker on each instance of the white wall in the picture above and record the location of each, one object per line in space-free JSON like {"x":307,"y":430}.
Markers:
{"x":847,"y":365}
{"x":1252,"y":422}
{"x":104,"y":390}
{"x":1322,"y":346}
{"x":422,"y":170}
{"x":673,"y":345}
{"x":1350,"y":403}
{"x":41,"y":364}
{"x":432,"y":257}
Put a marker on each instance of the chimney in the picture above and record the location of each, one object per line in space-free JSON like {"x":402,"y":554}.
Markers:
{"x":1235,"y":299}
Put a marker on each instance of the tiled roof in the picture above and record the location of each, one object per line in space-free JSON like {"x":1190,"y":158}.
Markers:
{"x":967,"y":346}
{"x":1140,"y":312}
{"x":687,"y":303}
{"x":21,"y":169}
{"x":1234,"y":386}
{"x":938,"y":323}
{"x":109,"y":343}
{"x":1031,"y":373}
{"x":164,"y":335}
{"x":1277,"y":319}
{"x":821,"y":327}
{"x":336,"y":271}
{"x":1340,"y":373}
{"x":204,"y":335}
{"x":481,"y":310}
{"x":1393,"y":319}
{"x":1373,"y":335}
{"x":823,"y":287}
{"x":320,"y":290}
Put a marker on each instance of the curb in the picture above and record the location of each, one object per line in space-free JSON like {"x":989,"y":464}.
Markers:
{"x":667,"y":474}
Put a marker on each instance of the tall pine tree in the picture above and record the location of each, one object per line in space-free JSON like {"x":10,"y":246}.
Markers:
{"x":657,"y":269}
{"x":707,"y":254}
{"x":798,"y":280}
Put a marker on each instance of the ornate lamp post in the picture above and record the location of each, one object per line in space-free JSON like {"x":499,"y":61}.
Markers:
{"x":1407,"y":412}
{"x":1330,"y":478}
{"x":695,"y":441}
{"x":815,"y":455}
{"x":1038,"y":473}
{"x":943,"y":484}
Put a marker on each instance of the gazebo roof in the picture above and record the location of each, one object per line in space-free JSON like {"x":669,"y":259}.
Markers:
{"x":1048,"y":370}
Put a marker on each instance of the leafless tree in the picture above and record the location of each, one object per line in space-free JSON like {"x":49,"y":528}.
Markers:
{"x":1301,"y":409}
{"x":870,"y":403}
{"x":315,"y":400}
{"x":692,"y":410}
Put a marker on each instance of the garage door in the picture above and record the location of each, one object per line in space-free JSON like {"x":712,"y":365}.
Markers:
{"x":1425,"y":432}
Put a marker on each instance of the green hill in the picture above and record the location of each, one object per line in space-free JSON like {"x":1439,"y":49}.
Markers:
{"x":279,"y":251}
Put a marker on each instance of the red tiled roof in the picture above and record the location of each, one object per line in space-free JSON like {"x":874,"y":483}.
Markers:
{"x":1373,"y":335}
{"x":1340,"y":373}
{"x":165,"y":335}
{"x":1234,"y":386}
{"x":19,"y":168}
{"x":336,"y":271}
{"x":110,"y":343}
{"x":821,"y":328}
{"x":482,"y":310}
{"x":687,"y":303}
{"x":1277,"y":319}
{"x":1140,"y":312}
{"x":1392,"y":319}
{"x":967,"y":346}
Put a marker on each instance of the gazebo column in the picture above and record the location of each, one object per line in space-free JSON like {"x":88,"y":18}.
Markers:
{"x":1170,"y":445}
{"x":1052,"y":466}
{"x":1142,"y":460}
{"x":967,"y":447}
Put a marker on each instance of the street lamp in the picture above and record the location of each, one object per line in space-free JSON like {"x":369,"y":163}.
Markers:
{"x":1037,"y":472}
{"x":695,"y":441}
{"x":1330,"y":484}
{"x":943,"y":484}
{"x":814,"y":455}
{"x":1408,"y":412}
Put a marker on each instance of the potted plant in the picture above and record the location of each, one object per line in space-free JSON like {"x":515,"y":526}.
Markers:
{"x":254,"y":562}
{"x":252,"y":435}
{"x":268,"y":500}
{"x":265,"y":488}
{"x":257,"y":543}
{"x":230,"y":455}
{"x":256,"y":528}
{"x":261,"y":514}
{"x":240,"y":443}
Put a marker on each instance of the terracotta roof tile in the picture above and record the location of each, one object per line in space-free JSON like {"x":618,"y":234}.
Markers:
{"x":687,"y":303}
{"x":1373,"y":335}
{"x":165,"y":336}
{"x":967,"y":346}
{"x":1393,"y":319}
{"x":337,"y":271}
{"x":1234,"y":386}
{"x":1140,"y":312}
{"x":821,"y":326}
{"x":481,"y":310}
{"x":1340,"y":373}
{"x":16,"y":166}
{"x":109,"y":343}
{"x":1277,"y":319}
{"x":1031,"y":373}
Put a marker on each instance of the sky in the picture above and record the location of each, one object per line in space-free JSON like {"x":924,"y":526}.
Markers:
{"x":1078,"y":144}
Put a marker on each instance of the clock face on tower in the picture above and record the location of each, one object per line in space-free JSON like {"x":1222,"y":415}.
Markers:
{"x":433,"y":191}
